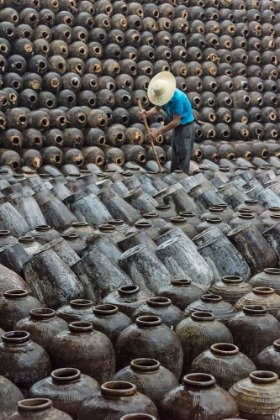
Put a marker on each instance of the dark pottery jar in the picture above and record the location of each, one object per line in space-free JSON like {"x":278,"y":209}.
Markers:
{"x":253,"y":329}
{"x":225,"y":362}
{"x":198,"y":398}
{"x":85,"y":349}
{"x":77,"y":310}
{"x":269,"y":277}
{"x":181,"y":292}
{"x":15,"y":305}
{"x":38,"y":409}
{"x":161,"y":307}
{"x":116,"y":399}
{"x":42,"y":325}
{"x":23,"y":361}
{"x":109,"y":320}
{"x":148,"y":337}
{"x":269,"y":358}
{"x":127,"y":298}
{"x":258,"y":396}
{"x":231,"y":288}
{"x":150,"y":377}
{"x":216,"y":221}
{"x":222,"y":310}
{"x":44,"y":234}
{"x":197,"y":333}
{"x":263,"y":296}
{"x":67,"y":388}
{"x":9,"y":397}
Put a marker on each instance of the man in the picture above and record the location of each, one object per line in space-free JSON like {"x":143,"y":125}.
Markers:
{"x":162,"y":92}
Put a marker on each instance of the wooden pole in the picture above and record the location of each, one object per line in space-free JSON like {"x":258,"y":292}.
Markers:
{"x":148,"y":130}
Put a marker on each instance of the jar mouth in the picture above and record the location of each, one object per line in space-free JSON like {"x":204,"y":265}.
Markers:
{"x":274,"y":209}
{"x":145,"y":364}
{"x":254,"y":310}
{"x":81,"y":303}
{"x":105,"y":310}
{"x":158,"y":301}
{"x":15,"y":337}
{"x":80,"y":327}
{"x":216,"y":209}
{"x":209,"y":297}
{"x":232,"y":279}
{"x":214,"y":219}
{"x":128,"y":290}
{"x":263,"y":377}
{"x":138,"y":416}
{"x":163,"y":207}
{"x":118,"y":389}
{"x":199,"y":380}
{"x":221,"y":205}
{"x":65,"y":375}
{"x":151,"y":214}
{"x":186,"y":214}
{"x":42,"y":313}
{"x":273,"y":271}
{"x":263,"y":290}
{"x":181,"y":282}
{"x":178,"y":219}
{"x":148,"y":321}
{"x":142,"y":224}
{"x":15,"y":293}
{"x":202,"y":316}
{"x":4,"y":232}
{"x":275,"y":216}
{"x":224,"y":349}
{"x":42,"y":228}
{"x":276,"y":344}
{"x":246,"y":216}
{"x":251,"y":202}
{"x":34,"y":404}
{"x":115,"y":222}
{"x":70,"y":236}
{"x":79,"y":224}
{"x":106,"y":227}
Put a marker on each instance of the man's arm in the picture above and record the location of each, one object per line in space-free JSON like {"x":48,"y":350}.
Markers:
{"x":155,"y":132}
{"x":153,"y":111}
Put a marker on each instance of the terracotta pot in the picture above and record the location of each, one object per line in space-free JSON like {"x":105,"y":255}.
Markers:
{"x":67,"y":388}
{"x":181,"y":292}
{"x":231,"y":288}
{"x":194,"y":400}
{"x":97,"y":358}
{"x":37,"y":409}
{"x":222,"y":310}
{"x":197,"y":333}
{"x":10,"y":395}
{"x":263,"y":296}
{"x":77,"y":310}
{"x":225,"y":362}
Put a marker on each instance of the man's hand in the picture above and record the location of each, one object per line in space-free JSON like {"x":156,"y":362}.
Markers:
{"x":143,"y":114}
{"x":153,"y":134}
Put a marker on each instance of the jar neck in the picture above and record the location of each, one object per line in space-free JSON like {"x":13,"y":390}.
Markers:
{"x":148,"y":321}
{"x":263,"y":377}
{"x":15,"y":294}
{"x":211,"y":298}
{"x":232,"y":279}
{"x":80,"y":327}
{"x":181,"y":282}
{"x":34,"y":404}
{"x":202,"y":316}
{"x":263,"y":290}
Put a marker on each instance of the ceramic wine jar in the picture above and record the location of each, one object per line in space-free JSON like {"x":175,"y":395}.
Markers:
{"x":37,"y":409}
{"x":269,"y":358}
{"x":231,"y":288}
{"x":269,"y":277}
{"x":9,"y":396}
{"x":263,"y":296}
{"x":181,"y":292}
{"x":76,"y":310}
{"x":222,"y":310}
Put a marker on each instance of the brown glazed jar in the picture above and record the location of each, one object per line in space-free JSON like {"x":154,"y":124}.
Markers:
{"x":127,"y":298}
{"x":253,"y":329}
{"x":269,"y":277}
{"x":258,"y":396}
{"x":116,"y":399}
{"x":182,"y":292}
{"x":161,"y":307}
{"x":38,"y":409}
{"x":222,"y":310}
{"x":108,"y":320}
{"x":149,"y":337}
{"x":263,"y":296}
{"x":197,"y":333}
{"x":149,"y":376}
{"x":197,"y":398}
{"x":231,"y":288}
{"x":67,"y":388}
{"x":225,"y":362}
{"x":42,"y":325}
{"x":83,"y":348}
{"x":23,"y":361}
{"x":269,"y":358}
{"x":9,"y":397}
{"x":77,"y":310}
{"x":15,"y":305}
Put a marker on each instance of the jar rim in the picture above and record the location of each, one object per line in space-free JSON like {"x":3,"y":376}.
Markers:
{"x":15,"y":293}
{"x":42,"y":313}
{"x":145,"y":364}
{"x":224,"y":349}
{"x":34,"y":404}
{"x":63,"y":375}
{"x":199,"y":380}
{"x":148,"y":321}
{"x":202,"y":316}
{"x":128,"y":290}
{"x":81,"y":303}
{"x":105,"y":309}
{"x":118,"y":389}
{"x":263,"y":377}
{"x":158,"y":301}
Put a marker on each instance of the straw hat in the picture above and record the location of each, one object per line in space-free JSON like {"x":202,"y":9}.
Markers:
{"x":161,"y":88}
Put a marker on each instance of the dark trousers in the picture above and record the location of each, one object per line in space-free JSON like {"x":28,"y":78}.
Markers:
{"x":182,"y":147}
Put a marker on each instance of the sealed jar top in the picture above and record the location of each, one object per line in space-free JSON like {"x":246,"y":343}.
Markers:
{"x":118,"y":389}
{"x":199,"y":380}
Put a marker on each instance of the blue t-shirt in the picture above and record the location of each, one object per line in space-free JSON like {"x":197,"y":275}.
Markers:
{"x":179,"y":104}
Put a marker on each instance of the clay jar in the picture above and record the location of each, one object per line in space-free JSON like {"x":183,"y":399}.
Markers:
{"x":149,"y":376}
{"x":263,"y":296}
{"x":161,"y":307}
{"x":216,"y":221}
{"x":258,"y":396}
{"x":67,"y":388}
{"x":9,"y":396}
{"x":85,"y":349}
{"x":128,"y":298}
{"x":197,"y":333}
{"x":44,"y":234}
{"x":225,"y":362}
{"x":198,"y":398}
{"x":116,"y":399}
{"x":269,"y":358}
{"x":269,"y":277}
{"x":38,"y":409}
{"x":231,"y":288}
{"x":14,"y":305}
{"x":222,"y":310}
{"x":149,"y":337}
{"x":42,"y":325}
{"x":23,"y":361}
{"x":253,"y":329}
{"x":109,"y":320}
{"x":77,"y":310}
{"x":182,"y":292}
